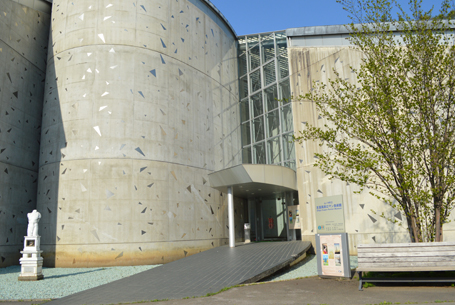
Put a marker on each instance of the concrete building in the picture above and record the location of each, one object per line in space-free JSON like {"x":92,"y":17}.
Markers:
{"x":127,"y":125}
{"x":24,"y":35}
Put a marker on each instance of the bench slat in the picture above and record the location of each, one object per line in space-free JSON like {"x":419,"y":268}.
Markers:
{"x":362,"y":260}
{"x":403,"y":245}
{"x":406,"y":254}
{"x":405,"y":250}
{"x":410,"y":264}
{"x":405,"y":269}
{"x":414,"y":279}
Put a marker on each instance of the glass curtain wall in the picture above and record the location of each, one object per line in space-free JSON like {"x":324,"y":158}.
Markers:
{"x":266,"y":111}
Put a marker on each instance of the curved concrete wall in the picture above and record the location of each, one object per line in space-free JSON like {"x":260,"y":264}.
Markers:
{"x":23,"y":49}
{"x":141,"y":104}
{"x":43,"y":6}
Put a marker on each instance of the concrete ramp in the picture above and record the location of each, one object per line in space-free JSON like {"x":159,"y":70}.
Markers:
{"x":196,"y":275}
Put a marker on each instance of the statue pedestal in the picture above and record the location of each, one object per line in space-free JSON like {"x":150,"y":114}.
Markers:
{"x":31,"y":261}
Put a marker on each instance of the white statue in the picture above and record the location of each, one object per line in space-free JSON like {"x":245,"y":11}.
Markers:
{"x":33,"y":219}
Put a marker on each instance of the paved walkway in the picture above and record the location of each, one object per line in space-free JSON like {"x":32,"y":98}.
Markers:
{"x":197,"y":275}
{"x":317,"y":291}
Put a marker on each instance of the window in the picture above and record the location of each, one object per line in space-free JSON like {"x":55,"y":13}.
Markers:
{"x":265,"y":108}
{"x":242,"y":64}
{"x":254,"y":57}
{"x":246,"y":136}
{"x":258,"y":107}
{"x":255,"y":80}
{"x":268,"y":48}
{"x":244,"y":110}
{"x":273,"y":123}
{"x":269,"y":73}
{"x":274,"y":151}
{"x":271,"y":98}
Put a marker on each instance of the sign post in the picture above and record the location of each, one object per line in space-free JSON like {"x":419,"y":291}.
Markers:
{"x":332,"y":240}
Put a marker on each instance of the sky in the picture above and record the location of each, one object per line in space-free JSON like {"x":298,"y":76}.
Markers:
{"x":258,"y":16}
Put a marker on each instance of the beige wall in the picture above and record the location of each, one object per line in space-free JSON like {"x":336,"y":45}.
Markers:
{"x":308,"y":64}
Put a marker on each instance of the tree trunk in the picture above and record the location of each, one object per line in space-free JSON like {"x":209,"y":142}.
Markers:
{"x":415,"y":229}
{"x":438,"y":225}
{"x":409,"y":221}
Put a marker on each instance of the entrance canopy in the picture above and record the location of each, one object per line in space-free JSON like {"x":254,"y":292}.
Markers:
{"x":255,"y":180}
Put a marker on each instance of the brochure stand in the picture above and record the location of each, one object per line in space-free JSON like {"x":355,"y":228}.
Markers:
{"x":333,"y":255}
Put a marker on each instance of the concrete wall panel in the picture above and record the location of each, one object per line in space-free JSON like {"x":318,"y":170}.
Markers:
{"x":23,"y":48}
{"x":141,"y":104}
{"x":37,"y":5}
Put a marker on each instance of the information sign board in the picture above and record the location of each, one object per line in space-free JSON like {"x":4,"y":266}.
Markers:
{"x":333,"y":255}
{"x":330,"y":214}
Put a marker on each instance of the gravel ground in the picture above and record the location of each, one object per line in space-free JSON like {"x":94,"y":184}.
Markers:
{"x":60,"y":282}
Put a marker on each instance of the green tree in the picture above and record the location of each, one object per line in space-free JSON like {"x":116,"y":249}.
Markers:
{"x":393,"y":131}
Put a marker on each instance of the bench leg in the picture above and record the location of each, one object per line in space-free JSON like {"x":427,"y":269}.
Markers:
{"x":360,"y":281}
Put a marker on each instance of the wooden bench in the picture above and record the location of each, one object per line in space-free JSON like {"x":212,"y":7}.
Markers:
{"x":406,"y":257}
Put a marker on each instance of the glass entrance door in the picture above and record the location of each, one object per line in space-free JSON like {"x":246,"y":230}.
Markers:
{"x":273,"y":220}
{"x":267,"y":218}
